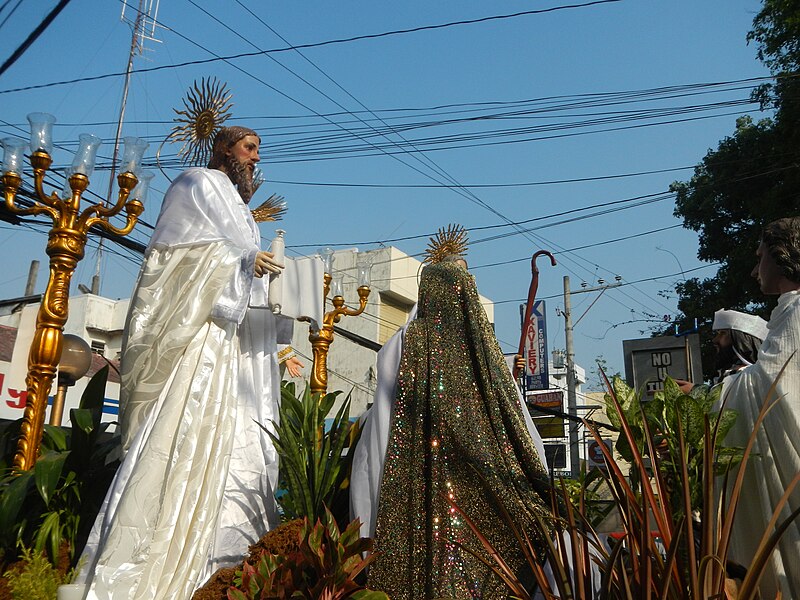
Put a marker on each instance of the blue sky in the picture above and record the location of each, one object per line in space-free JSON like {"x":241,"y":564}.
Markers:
{"x":540,"y":75}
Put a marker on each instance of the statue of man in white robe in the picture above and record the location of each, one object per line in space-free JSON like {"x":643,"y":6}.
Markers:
{"x":199,"y":372}
{"x":777,"y":448}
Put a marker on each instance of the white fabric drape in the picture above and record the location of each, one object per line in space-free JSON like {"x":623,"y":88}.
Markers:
{"x":199,"y":370}
{"x":777,"y":447}
{"x":370,"y":452}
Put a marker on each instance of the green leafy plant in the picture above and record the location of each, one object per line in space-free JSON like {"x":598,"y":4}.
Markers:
{"x":656,"y":555}
{"x":669,"y":411}
{"x":36,"y":579}
{"x":323,"y":567}
{"x":314,"y":470}
{"x":53,"y":505}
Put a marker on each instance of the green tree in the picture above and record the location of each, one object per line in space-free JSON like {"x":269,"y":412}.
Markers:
{"x":750,"y":179}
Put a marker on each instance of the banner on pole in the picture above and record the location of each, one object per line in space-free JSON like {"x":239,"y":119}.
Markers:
{"x":537,"y":376}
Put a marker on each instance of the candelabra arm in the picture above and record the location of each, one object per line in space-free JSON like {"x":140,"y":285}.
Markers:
{"x":41,"y":161}
{"x":127,"y":181}
{"x":11,"y":184}
{"x":133,"y":209}
{"x":363,"y":296}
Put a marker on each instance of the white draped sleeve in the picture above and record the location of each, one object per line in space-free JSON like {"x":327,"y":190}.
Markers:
{"x":202,"y":207}
{"x":177,"y":291}
{"x":776,"y":458}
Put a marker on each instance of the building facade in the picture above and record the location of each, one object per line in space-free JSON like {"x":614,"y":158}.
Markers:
{"x":97,"y":320}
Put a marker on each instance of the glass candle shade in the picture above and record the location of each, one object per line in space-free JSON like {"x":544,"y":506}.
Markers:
{"x":83,"y":161}
{"x":13,"y":153}
{"x":337,"y":287}
{"x":143,"y":187}
{"x":41,"y":131}
{"x":326,"y":254}
{"x":364,"y":266}
{"x":132,"y":155}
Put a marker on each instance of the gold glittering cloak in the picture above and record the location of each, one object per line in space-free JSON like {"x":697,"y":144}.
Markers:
{"x":457,"y":412}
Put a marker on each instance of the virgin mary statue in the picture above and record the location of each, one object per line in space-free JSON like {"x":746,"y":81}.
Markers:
{"x":458,"y":432}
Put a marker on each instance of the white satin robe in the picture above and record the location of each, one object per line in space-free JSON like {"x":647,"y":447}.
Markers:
{"x":199,"y":370}
{"x":777,"y":448}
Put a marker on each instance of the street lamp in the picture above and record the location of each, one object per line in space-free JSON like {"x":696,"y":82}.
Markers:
{"x":322,"y":338}
{"x":65,"y":247}
{"x":76,"y":358}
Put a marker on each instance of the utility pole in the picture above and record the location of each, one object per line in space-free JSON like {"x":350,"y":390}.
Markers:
{"x":33,"y":273}
{"x":572,"y":396}
{"x":572,"y":392}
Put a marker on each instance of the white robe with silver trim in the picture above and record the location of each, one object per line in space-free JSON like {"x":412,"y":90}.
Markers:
{"x":199,"y":370}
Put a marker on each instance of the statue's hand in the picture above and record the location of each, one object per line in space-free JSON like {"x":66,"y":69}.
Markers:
{"x":266,"y":263}
{"x":294,"y":366}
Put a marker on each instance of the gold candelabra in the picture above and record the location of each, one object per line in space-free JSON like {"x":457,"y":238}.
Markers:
{"x":65,"y":247}
{"x":322,"y":338}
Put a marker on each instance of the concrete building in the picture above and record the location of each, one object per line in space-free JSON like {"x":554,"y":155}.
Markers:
{"x":97,"y":320}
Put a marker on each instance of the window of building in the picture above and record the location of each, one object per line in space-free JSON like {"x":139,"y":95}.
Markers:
{"x":393,"y":315}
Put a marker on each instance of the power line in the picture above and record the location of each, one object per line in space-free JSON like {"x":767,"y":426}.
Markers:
{"x":477,"y":185}
{"x":33,"y":35}
{"x":13,"y":10}
{"x":584,"y":247}
{"x":438,"y":145}
{"x":586,"y":100}
{"x":318,"y":44}
{"x":626,"y":283}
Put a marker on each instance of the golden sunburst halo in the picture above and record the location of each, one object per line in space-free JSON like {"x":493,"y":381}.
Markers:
{"x":447,"y":242}
{"x":207,"y":107}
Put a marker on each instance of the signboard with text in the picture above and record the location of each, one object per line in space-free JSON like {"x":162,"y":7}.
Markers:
{"x":537,"y":376}
{"x":13,"y":395}
{"x":649,"y":361}
{"x":594,"y":454}
{"x":549,"y":426}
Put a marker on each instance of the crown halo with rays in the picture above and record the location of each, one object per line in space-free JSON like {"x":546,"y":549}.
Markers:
{"x":450,"y":241}
{"x":207,"y":106}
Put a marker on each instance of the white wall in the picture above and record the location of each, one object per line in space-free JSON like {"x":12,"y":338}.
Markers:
{"x":90,"y":317}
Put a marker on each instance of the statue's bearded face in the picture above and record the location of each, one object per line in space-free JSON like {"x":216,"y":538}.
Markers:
{"x":240,"y":163}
